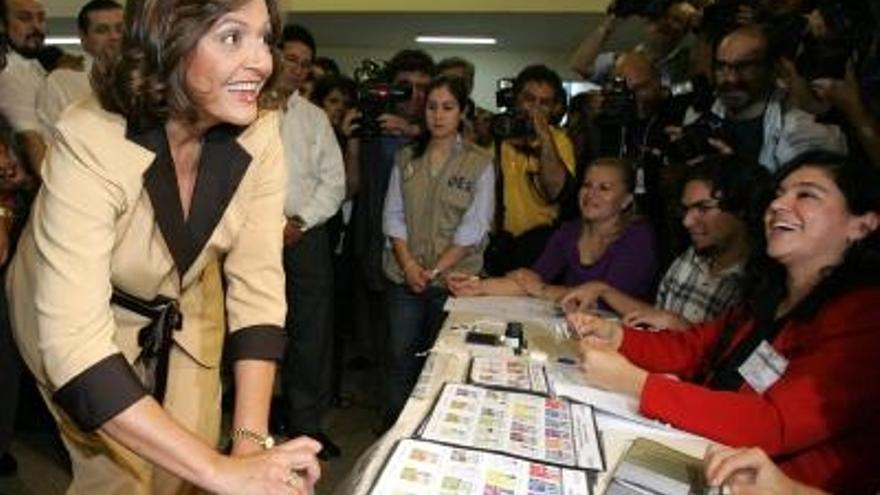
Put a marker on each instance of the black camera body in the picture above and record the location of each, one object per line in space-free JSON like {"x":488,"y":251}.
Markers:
{"x":509,"y":122}
{"x":376,"y":96}
{"x":619,"y":105}
{"x":694,"y":140}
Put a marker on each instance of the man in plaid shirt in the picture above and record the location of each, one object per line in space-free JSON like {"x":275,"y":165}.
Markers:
{"x":706,"y":279}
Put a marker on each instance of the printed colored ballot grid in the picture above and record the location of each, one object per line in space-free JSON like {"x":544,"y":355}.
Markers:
{"x":424,"y":468}
{"x":520,"y":424}
{"x":509,"y":373}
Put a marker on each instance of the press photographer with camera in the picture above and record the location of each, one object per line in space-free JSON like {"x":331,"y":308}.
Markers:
{"x":750,"y":115}
{"x":536,"y":161}
{"x":667,"y":42}
{"x":634,"y":112}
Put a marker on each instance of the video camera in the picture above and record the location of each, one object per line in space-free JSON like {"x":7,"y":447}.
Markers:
{"x":694,"y":140}
{"x":509,"y":122}
{"x":619,"y":105}
{"x":376,"y":96}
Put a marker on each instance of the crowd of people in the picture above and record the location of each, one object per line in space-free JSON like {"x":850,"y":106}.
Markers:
{"x":202,"y":192}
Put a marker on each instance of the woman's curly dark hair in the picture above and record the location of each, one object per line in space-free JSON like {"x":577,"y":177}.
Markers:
{"x":146,"y":83}
{"x":765,"y":280}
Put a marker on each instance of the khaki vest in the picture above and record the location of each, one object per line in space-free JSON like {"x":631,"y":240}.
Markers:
{"x":434,"y":207}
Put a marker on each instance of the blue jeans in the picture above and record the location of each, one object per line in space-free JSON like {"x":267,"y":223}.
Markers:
{"x":413,"y":323}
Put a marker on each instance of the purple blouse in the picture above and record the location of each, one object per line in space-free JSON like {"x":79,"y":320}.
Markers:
{"x":629,"y":264}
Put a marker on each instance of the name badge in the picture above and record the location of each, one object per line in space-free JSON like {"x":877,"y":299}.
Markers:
{"x":763,"y":368}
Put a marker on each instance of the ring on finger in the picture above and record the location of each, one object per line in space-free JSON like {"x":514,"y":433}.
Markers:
{"x":293,"y":479}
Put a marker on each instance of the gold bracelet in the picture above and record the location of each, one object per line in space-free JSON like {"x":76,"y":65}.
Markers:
{"x":6,"y":212}
{"x":265,"y":441}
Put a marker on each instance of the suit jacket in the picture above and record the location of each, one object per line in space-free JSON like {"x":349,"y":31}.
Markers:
{"x":819,"y":420}
{"x":109,"y":214}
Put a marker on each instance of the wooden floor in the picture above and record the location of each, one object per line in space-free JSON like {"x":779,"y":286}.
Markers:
{"x":41,"y":470}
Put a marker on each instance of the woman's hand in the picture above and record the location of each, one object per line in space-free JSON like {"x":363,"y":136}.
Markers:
{"x":749,"y":472}
{"x":417,"y":278}
{"x":608,"y":369}
{"x":350,"y":122}
{"x":529,"y":281}
{"x":582,"y":297}
{"x":462,"y":284}
{"x":655,"y":318}
{"x":291,"y":467}
{"x":596,"y":329}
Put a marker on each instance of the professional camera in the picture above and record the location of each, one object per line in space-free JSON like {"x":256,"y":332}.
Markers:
{"x":509,"y":122}
{"x":619,"y":105}
{"x":827,"y":58}
{"x":694,"y":141}
{"x":641,"y":8}
{"x":376,"y":96}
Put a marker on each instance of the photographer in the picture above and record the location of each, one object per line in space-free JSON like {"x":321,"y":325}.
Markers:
{"x":666,"y":44}
{"x":376,"y":156}
{"x":633,"y":114}
{"x":750,"y":114}
{"x":536,"y":161}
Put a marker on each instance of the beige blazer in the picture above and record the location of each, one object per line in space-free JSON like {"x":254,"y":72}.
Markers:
{"x":109,"y":215}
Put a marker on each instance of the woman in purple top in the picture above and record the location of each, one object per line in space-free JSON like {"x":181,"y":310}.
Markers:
{"x":610,"y":242}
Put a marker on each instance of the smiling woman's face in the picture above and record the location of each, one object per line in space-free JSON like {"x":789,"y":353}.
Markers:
{"x":230,"y":64}
{"x":809,"y":222}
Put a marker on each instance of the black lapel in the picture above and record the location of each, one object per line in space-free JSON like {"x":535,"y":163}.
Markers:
{"x":222,"y":164}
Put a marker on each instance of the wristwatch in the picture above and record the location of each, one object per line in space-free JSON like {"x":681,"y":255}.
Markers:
{"x":265,"y":441}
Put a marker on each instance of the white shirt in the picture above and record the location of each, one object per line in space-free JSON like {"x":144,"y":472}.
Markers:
{"x":19,"y":83}
{"x":61,"y":88}
{"x":316,"y":173}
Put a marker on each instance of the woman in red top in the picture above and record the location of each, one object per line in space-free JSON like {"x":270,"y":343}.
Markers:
{"x":795,"y":369}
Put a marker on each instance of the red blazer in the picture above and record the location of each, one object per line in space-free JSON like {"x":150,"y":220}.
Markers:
{"x":820,"y":421}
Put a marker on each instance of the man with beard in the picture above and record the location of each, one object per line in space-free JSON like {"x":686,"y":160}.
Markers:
{"x":100,"y":34}
{"x":757,"y":122}
{"x":667,"y":44}
{"x":25,"y":25}
{"x":706,"y":279}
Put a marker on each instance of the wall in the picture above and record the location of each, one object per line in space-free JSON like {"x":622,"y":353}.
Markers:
{"x":490,"y":64}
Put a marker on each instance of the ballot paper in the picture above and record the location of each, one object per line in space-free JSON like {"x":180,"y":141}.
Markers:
{"x":417,"y":467}
{"x":524,"y":425}
{"x":556,"y":379}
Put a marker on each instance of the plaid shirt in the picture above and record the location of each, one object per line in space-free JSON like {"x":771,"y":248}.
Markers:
{"x":690,"y":289}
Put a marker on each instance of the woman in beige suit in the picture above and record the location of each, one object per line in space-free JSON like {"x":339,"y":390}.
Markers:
{"x":171,"y":180}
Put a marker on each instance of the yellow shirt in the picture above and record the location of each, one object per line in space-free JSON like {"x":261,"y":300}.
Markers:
{"x":524,"y":207}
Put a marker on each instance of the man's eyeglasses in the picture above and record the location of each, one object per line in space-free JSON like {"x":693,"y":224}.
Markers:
{"x":738,"y":67}
{"x":700,"y":208}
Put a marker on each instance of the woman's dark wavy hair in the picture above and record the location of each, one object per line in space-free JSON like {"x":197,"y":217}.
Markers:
{"x":146,"y":84}
{"x":765,"y":281}
{"x":325,"y":85}
{"x":457,"y":87}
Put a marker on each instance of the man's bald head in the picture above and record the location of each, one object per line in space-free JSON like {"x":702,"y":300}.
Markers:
{"x":643,"y":78}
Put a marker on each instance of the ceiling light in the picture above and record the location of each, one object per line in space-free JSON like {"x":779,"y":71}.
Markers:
{"x":62,"y":40}
{"x":456,"y":40}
